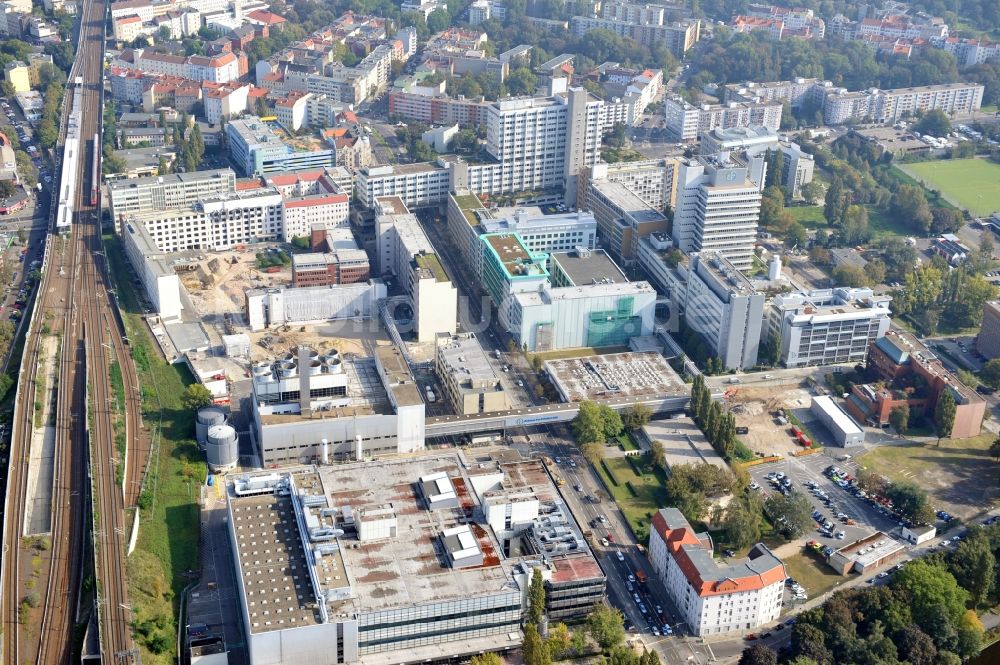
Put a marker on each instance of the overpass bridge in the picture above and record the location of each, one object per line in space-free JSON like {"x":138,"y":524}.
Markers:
{"x":546,"y":414}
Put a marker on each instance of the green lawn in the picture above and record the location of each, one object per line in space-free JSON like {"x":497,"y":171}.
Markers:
{"x":952,"y":473}
{"x":649,"y":495}
{"x":810,"y":217}
{"x":972,"y":183}
{"x":169,"y":533}
{"x":812,"y":573}
{"x":881,"y":224}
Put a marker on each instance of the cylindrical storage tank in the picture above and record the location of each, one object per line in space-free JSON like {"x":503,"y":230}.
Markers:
{"x":222,"y":449}
{"x":207,"y":417}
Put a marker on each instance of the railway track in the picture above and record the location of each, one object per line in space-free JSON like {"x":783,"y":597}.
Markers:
{"x":74,"y":298}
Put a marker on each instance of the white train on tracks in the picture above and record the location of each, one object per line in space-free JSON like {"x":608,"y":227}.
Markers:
{"x":70,"y":173}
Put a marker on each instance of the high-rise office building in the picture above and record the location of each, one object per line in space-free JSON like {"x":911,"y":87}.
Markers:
{"x":718,"y":206}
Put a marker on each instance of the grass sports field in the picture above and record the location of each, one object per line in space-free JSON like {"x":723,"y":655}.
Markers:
{"x":971,"y":183}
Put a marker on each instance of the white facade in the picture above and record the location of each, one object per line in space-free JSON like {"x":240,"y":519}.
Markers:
{"x":889,"y":106}
{"x":273,"y":308}
{"x":718,"y":207}
{"x":418,"y":185}
{"x":404,"y":251}
{"x":159,"y":280}
{"x":141,"y":195}
{"x":845,"y":431}
{"x":578,"y":316}
{"x":685,"y":122}
{"x":828,"y":326}
{"x":300,"y":214}
{"x":715,"y":597}
{"x":721,"y":305}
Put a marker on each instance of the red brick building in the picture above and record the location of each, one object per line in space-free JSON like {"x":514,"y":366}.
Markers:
{"x":913,"y":375}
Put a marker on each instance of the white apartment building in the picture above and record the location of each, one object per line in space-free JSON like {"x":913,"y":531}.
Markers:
{"x":141,"y":195}
{"x":889,"y":106}
{"x":714,"y":597}
{"x":300,"y":214}
{"x":724,"y":308}
{"x":218,"y":222}
{"x":796,"y":92}
{"x":559,"y":232}
{"x":418,"y":185}
{"x":225,"y":102}
{"x":827,"y":326}
{"x":718,"y":207}
{"x":541,"y":142}
{"x":404,"y":251}
{"x":686,"y":122}
{"x":652,"y":180}
{"x":157,"y":275}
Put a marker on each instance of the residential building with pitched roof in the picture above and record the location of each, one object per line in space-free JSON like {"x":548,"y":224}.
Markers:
{"x":714,"y":597}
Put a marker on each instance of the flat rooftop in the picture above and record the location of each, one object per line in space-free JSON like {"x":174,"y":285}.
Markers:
{"x":412,"y":568}
{"x":837,"y":414}
{"x":272,"y":560}
{"x":513,"y":254}
{"x":432,"y":264}
{"x":398,"y":377}
{"x":628,"y":201}
{"x":615,"y":375}
{"x":683,"y":442}
{"x":588,"y":267}
{"x":391,"y":205}
{"x":464,"y":359}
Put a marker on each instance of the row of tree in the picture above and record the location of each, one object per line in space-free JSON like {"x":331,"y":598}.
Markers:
{"x":719,"y":427}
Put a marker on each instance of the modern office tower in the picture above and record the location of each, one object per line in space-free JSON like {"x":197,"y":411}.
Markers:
{"x":796,"y":165}
{"x":718,"y":207}
{"x":140,"y":195}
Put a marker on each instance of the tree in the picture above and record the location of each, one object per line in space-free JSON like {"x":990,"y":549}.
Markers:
{"x":770,"y":350}
{"x":910,"y":501}
{"x":611,"y":422}
{"x":995,"y":449}
{"x":196,"y":396}
{"x":946,"y":220}
{"x":486,"y":659}
{"x":935,"y":123}
{"x":916,"y":647}
{"x":848,"y":275}
{"x":558,"y":640}
{"x":875,"y":270}
{"x":990,"y":374}
{"x":759,"y":654}
{"x":872,"y":482}
{"x":933,"y":592}
{"x":636,"y":416}
{"x":899,"y":418}
{"x":535,"y":651}
{"x":944,"y":415}
{"x":658,"y":453}
{"x":607,"y":627}
{"x":536,"y":597}
{"x":796,"y":236}
{"x":791,"y":515}
{"x":973,"y":564}
{"x":438,"y":20}
{"x":742,"y":522}
{"x":588,"y":426}
{"x":592,"y":452}
{"x":162,"y":168}
{"x":909,"y":206}
{"x":811,"y":192}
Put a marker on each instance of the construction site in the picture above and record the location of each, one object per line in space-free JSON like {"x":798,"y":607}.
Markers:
{"x":760,"y":409}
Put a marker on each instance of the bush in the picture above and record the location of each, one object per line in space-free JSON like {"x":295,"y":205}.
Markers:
{"x":630,"y":488}
{"x":611,"y":474}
